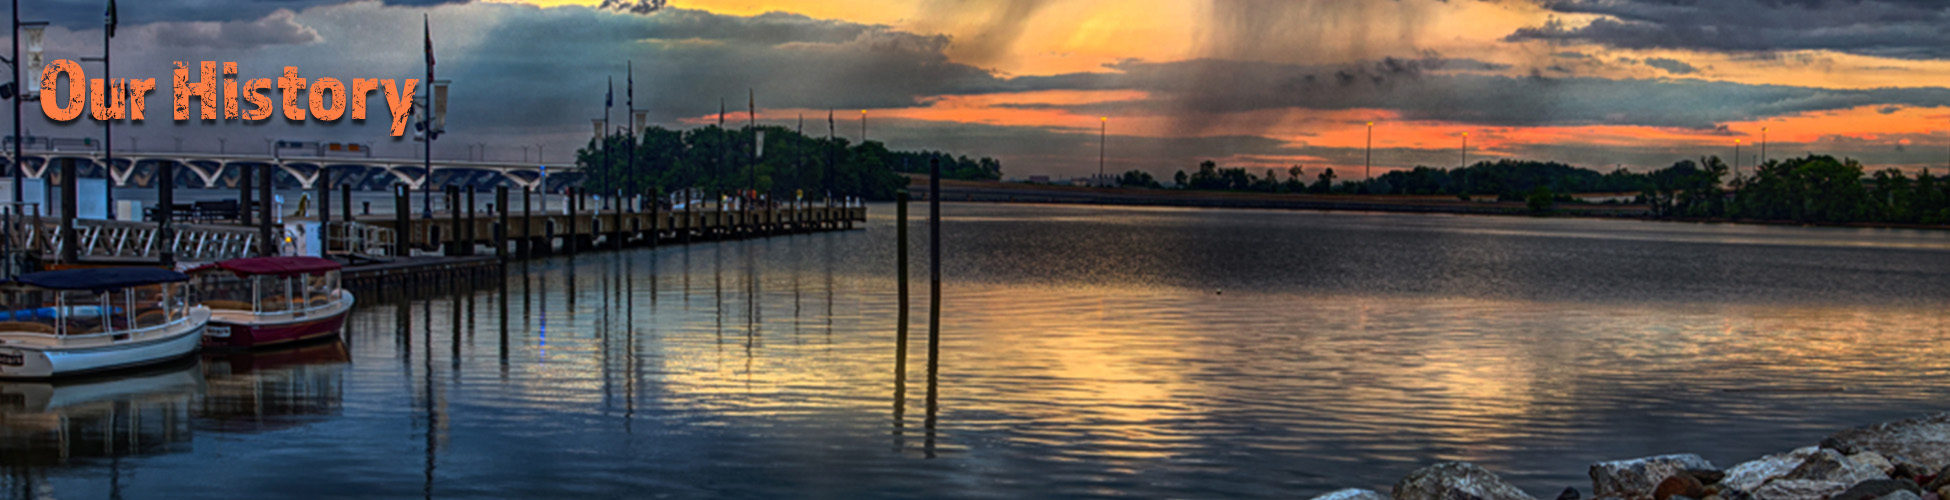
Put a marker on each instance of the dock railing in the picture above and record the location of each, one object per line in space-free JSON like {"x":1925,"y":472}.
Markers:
{"x":359,"y":238}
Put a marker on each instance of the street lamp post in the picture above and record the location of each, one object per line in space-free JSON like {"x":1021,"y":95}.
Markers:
{"x":863,"y":126}
{"x":1103,"y":139}
{"x":1736,"y":158}
{"x":1368,"y":164}
{"x":34,"y":30}
{"x":1465,"y":163}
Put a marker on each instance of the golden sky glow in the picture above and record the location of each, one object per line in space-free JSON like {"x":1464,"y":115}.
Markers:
{"x":1059,"y":37}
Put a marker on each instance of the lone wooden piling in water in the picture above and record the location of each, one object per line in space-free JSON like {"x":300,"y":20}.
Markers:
{"x":934,"y":291}
{"x":900,"y":328}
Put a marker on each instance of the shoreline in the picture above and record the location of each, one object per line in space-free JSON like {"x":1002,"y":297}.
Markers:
{"x":1011,"y":192}
{"x":1900,"y":460}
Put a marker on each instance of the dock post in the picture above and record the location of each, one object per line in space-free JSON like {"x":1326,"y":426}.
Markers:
{"x":453,"y":214}
{"x":324,"y":201}
{"x":573,"y":203}
{"x":934,"y":284}
{"x":70,"y":254}
{"x":166,"y":211}
{"x":467,"y":233}
{"x":264,"y":210}
{"x":656,"y":217}
{"x":526,"y":250}
{"x":500,"y":237}
{"x":616,"y":232}
{"x":900,"y":269}
{"x":244,"y":194}
{"x":402,"y":228}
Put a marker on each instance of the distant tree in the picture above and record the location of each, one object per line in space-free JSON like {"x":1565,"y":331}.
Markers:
{"x":1138,"y":178}
{"x":1540,"y":200}
{"x":1179,"y":179}
{"x":1325,"y":182}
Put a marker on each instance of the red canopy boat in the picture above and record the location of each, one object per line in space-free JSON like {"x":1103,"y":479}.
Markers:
{"x":263,"y":301}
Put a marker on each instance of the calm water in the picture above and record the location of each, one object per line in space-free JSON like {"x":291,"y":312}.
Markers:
{"x":1086,"y":352}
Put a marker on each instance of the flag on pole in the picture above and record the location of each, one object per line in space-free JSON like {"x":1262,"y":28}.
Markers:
{"x":720,"y":112}
{"x":629,"y":93}
{"x":609,"y":96}
{"x":752,"y":103}
{"x":428,"y":25}
{"x":829,"y":124}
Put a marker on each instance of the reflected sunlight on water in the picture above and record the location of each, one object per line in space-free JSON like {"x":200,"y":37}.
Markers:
{"x":1086,"y":352}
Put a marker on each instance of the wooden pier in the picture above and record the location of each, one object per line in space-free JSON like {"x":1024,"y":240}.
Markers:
{"x":528,"y":235}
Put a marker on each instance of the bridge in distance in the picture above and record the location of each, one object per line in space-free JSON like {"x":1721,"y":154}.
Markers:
{"x":211,"y":170}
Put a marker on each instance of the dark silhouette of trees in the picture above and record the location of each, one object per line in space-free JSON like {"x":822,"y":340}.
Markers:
{"x":1812,"y":189}
{"x":1139,"y":179}
{"x":724,"y":160}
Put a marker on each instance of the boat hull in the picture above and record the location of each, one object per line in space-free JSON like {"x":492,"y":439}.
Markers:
{"x":246,"y":331}
{"x":32,"y":362}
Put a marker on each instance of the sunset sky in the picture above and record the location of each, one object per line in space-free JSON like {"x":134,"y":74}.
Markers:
{"x":1259,"y":83}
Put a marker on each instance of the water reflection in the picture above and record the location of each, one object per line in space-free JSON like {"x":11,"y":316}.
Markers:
{"x":265,"y":391}
{"x":77,"y":421}
{"x":1087,"y":355}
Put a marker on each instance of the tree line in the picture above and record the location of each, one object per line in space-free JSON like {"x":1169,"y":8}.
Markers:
{"x":724,"y":160}
{"x":1815,"y":188}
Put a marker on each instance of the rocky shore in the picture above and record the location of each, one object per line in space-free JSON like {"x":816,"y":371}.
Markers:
{"x":1902,"y":460}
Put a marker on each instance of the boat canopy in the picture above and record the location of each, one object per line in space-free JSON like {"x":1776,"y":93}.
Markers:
{"x":275,"y":266}
{"x":100,"y":279}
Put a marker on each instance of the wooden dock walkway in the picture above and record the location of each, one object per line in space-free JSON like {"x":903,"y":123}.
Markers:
{"x":528,"y":235}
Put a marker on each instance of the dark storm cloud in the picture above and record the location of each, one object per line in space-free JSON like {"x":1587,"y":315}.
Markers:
{"x":558,"y":59}
{"x":1486,"y":99}
{"x":87,"y":14}
{"x":1673,"y":66}
{"x":1909,"y":29}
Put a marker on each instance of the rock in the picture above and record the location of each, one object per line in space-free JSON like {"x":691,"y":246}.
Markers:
{"x":1810,"y":464}
{"x":1900,"y":495}
{"x":1925,"y":440}
{"x":1829,"y":465}
{"x":1798,"y":489}
{"x":1940,"y":480}
{"x":1873,"y":460}
{"x":1904,"y":468}
{"x":1635,"y":479}
{"x":1455,"y":481}
{"x":1932,"y":496}
{"x":1679,"y":485}
{"x":1707,"y":476}
{"x":1749,"y":475}
{"x":1352,"y":494}
{"x":1569,"y":493}
{"x":1876,"y":488}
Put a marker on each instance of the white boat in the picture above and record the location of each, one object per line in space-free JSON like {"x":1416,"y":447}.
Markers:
{"x":67,"y":322}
